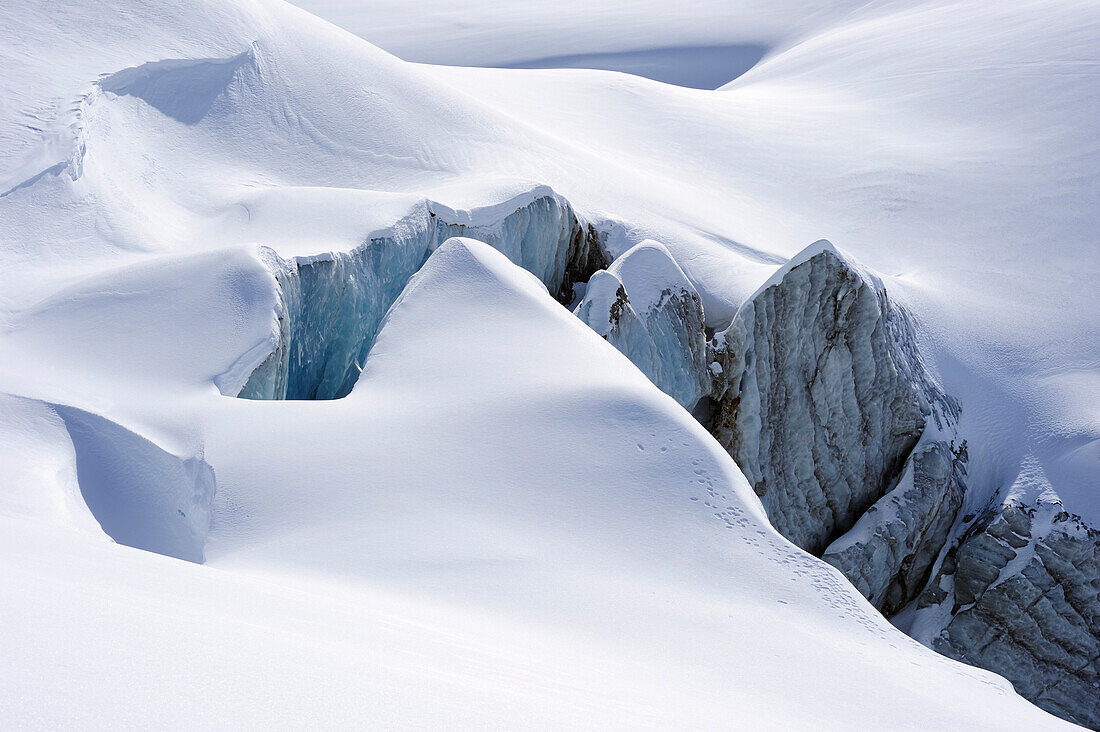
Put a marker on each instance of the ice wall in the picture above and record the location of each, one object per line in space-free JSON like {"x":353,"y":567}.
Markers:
{"x":331,"y":306}
{"x":822,"y":395}
{"x":1019,"y":594}
{"x":889,"y":553}
{"x":819,"y":392}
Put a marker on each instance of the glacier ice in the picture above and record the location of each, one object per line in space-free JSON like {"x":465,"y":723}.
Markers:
{"x":822,"y":395}
{"x":1019,"y":594}
{"x":644,"y":305}
{"x":817,"y":389}
{"x":824,"y":401}
{"x":889,"y":553}
{"x":332,"y":305}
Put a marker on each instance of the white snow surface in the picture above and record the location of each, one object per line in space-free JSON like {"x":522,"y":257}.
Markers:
{"x":645,"y":271}
{"x":504,"y":524}
{"x":554,"y":543}
{"x":652,"y":38}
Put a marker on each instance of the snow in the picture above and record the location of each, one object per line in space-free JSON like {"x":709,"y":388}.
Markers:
{"x":504,"y":523}
{"x":650,"y":38}
{"x":918,"y":138}
{"x":369,"y":562}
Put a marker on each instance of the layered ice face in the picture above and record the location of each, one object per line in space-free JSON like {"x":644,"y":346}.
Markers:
{"x":823,"y":394}
{"x":331,"y":306}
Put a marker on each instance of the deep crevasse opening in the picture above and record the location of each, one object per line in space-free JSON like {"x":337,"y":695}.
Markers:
{"x":332,"y":305}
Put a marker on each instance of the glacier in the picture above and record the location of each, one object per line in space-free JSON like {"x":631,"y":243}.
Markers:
{"x":331,"y":306}
{"x":881,"y":502}
{"x":1018,"y":593}
{"x":889,"y":553}
{"x":822,"y":394}
{"x":512,"y":509}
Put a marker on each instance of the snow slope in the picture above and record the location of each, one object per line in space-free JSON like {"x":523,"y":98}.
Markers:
{"x":703,"y":48}
{"x":369,"y":562}
{"x":943,"y":145}
{"x":486,"y":530}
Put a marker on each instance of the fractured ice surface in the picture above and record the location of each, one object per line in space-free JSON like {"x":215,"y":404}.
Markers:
{"x":1019,"y":595}
{"x":818,"y":391}
{"x":825,"y":403}
{"x":890,"y":551}
{"x":822,"y":394}
{"x":644,"y":305}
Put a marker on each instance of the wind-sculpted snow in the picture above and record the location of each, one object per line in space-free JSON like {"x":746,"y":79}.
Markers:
{"x":183,"y":89}
{"x":1019,"y":595}
{"x":331,"y":305}
{"x":140,"y":494}
{"x":644,"y":305}
{"x":822,"y":395}
{"x":505,"y":521}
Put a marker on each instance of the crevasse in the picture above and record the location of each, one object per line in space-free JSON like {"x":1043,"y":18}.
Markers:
{"x":331,"y":305}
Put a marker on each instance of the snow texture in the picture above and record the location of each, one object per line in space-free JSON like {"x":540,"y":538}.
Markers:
{"x":504,"y":523}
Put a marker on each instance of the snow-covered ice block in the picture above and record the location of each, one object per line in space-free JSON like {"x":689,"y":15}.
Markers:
{"x":645,"y":306}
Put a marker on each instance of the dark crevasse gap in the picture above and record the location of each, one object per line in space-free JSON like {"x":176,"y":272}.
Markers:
{"x":331,"y":306}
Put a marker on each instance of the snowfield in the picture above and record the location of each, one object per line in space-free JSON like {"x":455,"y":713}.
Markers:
{"x":501,"y":521}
